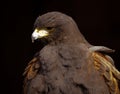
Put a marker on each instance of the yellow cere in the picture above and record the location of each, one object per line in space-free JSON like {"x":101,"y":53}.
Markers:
{"x":39,"y":33}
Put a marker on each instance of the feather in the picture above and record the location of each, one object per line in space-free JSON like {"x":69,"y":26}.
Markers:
{"x":108,"y":71}
{"x":30,"y":72}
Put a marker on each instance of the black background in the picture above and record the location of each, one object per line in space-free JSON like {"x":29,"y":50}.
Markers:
{"x":98,"y":20}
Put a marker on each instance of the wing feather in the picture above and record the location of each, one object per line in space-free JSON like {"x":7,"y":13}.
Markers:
{"x":106,"y":68}
{"x":30,"y":72}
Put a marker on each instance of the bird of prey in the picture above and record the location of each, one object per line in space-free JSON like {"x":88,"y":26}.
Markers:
{"x":68,"y":64}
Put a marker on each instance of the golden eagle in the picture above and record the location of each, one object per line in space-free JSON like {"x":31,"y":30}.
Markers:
{"x":68,"y":64}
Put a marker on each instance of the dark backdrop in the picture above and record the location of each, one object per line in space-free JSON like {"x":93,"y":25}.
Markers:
{"x":98,"y":20}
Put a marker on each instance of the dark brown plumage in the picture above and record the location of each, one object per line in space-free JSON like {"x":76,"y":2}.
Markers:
{"x":68,"y":64}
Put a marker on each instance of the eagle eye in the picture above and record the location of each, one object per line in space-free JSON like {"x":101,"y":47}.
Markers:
{"x":49,"y":28}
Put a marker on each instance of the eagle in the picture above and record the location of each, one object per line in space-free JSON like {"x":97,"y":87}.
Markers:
{"x":68,"y":64}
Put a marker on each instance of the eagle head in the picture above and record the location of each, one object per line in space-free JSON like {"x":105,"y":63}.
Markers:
{"x":56,"y":27}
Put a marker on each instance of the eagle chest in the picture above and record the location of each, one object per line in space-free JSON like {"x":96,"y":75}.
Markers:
{"x":67,"y":62}
{"x":55,"y":57}
{"x":67,"y":68}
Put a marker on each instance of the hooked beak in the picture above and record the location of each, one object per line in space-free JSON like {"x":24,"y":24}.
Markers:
{"x":37,"y":34}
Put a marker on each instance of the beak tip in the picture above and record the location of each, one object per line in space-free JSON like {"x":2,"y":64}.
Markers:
{"x":32,"y":41}
{"x":32,"y":38}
